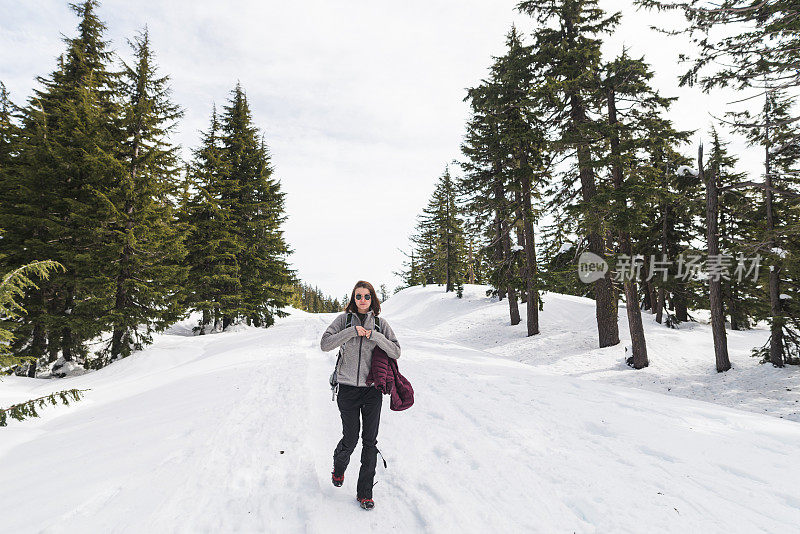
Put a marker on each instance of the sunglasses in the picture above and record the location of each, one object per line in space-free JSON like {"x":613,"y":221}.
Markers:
{"x":366,"y":297}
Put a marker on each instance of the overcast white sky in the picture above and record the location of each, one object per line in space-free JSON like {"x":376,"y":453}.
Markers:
{"x":361,"y":101}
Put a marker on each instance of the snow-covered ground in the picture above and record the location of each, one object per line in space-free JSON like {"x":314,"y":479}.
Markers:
{"x":681,"y":360}
{"x":235,"y":432}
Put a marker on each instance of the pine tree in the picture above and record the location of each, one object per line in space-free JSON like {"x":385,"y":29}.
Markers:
{"x":236,"y":249}
{"x":58,"y":208}
{"x":773,"y":128}
{"x":484,"y":190}
{"x":672,"y":202}
{"x":626,"y":78}
{"x":736,"y":233}
{"x":26,"y":332}
{"x":256,"y":205}
{"x":410,"y":272}
{"x":476,"y":266}
{"x":714,"y":283}
{"x":523,"y":137}
{"x":451,"y":235}
{"x":440,"y":238}
{"x":148,"y":273}
{"x":569,"y":30}
{"x":427,"y":251}
{"x":207,"y":231}
{"x":642,"y":198}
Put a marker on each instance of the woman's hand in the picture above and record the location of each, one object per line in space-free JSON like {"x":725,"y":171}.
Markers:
{"x":363,"y":331}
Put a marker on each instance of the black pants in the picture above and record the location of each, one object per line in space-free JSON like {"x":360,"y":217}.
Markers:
{"x":351,"y":401}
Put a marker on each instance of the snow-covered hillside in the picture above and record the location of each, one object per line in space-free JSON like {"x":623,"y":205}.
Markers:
{"x":234,"y":432}
{"x":681,"y":360}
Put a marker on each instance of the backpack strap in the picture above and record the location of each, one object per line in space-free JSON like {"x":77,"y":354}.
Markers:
{"x":378,"y":324}
{"x":334,"y":380}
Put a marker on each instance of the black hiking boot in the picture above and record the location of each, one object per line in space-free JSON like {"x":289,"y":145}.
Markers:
{"x":337,"y":480}
{"x":366,"y":504}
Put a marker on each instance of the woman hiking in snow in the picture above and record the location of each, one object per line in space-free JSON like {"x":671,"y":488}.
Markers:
{"x":358,"y":331}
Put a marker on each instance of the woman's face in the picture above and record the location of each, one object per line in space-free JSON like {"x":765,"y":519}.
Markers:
{"x":363,"y":299}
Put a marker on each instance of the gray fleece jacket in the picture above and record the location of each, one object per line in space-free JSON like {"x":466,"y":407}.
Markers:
{"x":356,"y":360}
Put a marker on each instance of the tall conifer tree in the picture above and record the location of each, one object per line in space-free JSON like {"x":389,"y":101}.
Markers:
{"x":523,"y":137}
{"x":484,"y":190}
{"x":67,"y":160}
{"x":570,"y":30}
{"x":439,"y":239}
{"x":207,"y":230}
{"x":148,"y":274}
{"x":256,"y":213}
{"x":236,"y":249}
{"x":737,"y":234}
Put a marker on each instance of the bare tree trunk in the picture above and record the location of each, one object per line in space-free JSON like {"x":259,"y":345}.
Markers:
{"x":732,"y":311}
{"x":206,"y":321}
{"x":38,"y":343}
{"x":646,"y":305}
{"x":714,"y":286}
{"x":501,"y":289}
{"x":513,"y":307}
{"x":638,"y":343}
{"x":471,"y":264}
{"x":650,"y":296}
{"x":776,"y":324}
{"x":653,"y":293}
{"x":505,"y":244}
{"x":660,"y":305}
{"x":52,"y":336}
{"x":520,"y":233}
{"x":529,"y":245}
{"x":605,"y":306}
{"x":217,"y":320}
{"x":119,"y":336}
{"x":661,"y":302}
{"x":498,"y":249}
{"x":681,"y":312}
{"x":448,"y":277}
{"x":66,"y":332}
{"x":38,"y":346}
{"x":53,"y":345}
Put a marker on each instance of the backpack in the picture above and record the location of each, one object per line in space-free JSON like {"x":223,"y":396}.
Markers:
{"x":334,"y":379}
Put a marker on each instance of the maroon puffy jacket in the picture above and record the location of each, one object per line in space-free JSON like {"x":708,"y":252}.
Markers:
{"x":385,"y":376}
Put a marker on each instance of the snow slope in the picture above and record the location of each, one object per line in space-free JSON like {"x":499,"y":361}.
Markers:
{"x":234,"y":432}
{"x":681,"y":360}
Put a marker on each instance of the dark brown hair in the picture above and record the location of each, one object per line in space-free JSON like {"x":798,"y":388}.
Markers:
{"x":374,"y":303}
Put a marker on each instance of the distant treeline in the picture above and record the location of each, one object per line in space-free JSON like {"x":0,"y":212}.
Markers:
{"x":311,"y":299}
